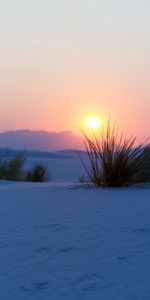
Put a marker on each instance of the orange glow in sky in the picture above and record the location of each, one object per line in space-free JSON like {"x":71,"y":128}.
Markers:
{"x":62,"y":61}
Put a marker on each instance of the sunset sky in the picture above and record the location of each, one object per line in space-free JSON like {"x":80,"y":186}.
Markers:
{"x":62,"y":60}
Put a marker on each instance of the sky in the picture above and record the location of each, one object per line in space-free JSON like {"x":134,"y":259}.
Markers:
{"x":63,"y":60}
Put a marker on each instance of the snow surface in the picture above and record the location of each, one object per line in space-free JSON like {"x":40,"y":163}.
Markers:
{"x":62,"y":241}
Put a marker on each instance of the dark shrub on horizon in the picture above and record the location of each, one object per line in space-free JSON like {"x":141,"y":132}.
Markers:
{"x":144,"y":165}
{"x":38,"y":173}
{"x":11,"y":168}
{"x":116,"y":161}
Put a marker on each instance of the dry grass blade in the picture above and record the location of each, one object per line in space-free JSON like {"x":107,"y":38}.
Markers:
{"x":116,"y":161}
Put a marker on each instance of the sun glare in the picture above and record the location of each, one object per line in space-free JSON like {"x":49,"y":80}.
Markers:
{"x":93,"y":123}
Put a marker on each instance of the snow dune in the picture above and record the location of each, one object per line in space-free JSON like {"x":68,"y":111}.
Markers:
{"x":61,"y":241}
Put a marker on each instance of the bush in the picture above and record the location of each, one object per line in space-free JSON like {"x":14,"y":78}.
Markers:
{"x":3,"y":168}
{"x":38,"y":173}
{"x":11,"y":169}
{"x":115,"y":161}
{"x":144,"y":165}
{"x":15,"y":166}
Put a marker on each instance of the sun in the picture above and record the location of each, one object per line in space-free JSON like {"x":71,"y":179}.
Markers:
{"x":93,"y":123}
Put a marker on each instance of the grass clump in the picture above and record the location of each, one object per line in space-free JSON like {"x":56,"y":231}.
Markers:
{"x":12,"y":168}
{"x":38,"y":173}
{"x":116,"y":161}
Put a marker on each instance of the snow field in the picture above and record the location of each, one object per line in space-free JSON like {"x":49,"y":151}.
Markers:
{"x":63,"y":242}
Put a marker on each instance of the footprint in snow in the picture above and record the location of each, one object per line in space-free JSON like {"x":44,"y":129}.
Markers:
{"x":70,"y":249}
{"x":42,"y":249}
{"x":122,"y":258}
{"x":88,"y":282}
{"x":140,"y":230}
{"x":52,"y":226}
{"x":41,"y":285}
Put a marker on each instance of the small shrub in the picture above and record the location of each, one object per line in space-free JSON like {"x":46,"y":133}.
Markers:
{"x":15,"y":165}
{"x":3,"y":168}
{"x":115,"y":161}
{"x":11,"y":169}
{"x":38,"y":173}
{"x":144,"y":167}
